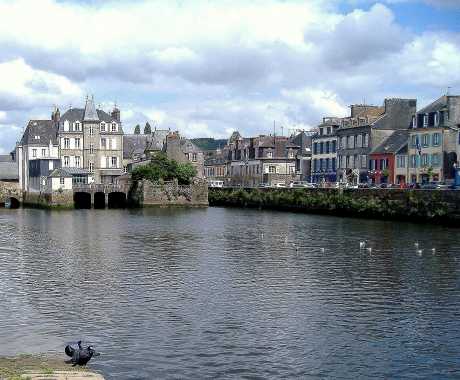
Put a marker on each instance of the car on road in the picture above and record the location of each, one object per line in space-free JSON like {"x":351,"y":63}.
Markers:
{"x":304,"y":184}
{"x":279,"y":184}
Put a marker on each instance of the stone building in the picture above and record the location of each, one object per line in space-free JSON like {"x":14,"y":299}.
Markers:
{"x":183,"y":150}
{"x":366,"y":128}
{"x":141,"y":147}
{"x":434,"y":141}
{"x":324,"y":151}
{"x":267,"y":159}
{"x":91,"y":140}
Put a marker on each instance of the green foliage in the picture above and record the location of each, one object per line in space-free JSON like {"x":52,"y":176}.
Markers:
{"x":161,"y":168}
{"x":408,"y":205}
{"x":137,"y":129}
{"x":147,"y":129}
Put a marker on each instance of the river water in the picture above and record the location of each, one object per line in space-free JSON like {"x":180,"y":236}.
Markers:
{"x":232,"y":294}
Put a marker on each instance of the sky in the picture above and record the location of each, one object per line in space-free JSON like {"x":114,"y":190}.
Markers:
{"x":207,"y":68}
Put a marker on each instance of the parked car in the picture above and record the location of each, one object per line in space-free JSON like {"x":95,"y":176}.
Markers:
{"x":261,"y":185}
{"x":434,"y":186}
{"x":305,"y":184}
{"x":279,"y":184}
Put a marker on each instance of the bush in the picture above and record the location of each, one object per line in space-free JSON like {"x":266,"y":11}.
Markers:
{"x":161,"y":168}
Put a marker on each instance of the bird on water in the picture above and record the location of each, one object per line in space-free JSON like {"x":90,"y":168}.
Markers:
{"x":80,"y":355}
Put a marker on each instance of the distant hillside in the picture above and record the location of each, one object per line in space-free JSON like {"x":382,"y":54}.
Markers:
{"x":209,"y":143}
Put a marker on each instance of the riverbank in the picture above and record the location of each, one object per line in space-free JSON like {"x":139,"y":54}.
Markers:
{"x":425,"y":206}
{"x":42,"y":367}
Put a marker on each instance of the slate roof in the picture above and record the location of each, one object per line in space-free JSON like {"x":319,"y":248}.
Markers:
{"x":393,"y":143}
{"x":75,"y":114}
{"x":138,"y":144}
{"x":437,"y":105}
{"x":90,"y":110}
{"x":57,"y":173}
{"x":46,"y":130}
{"x":9,"y":170}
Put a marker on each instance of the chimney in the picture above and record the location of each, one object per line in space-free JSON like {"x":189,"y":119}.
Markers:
{"x":116,"y":114}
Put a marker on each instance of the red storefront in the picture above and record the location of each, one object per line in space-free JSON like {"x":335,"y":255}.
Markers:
{"x":382,"y":168}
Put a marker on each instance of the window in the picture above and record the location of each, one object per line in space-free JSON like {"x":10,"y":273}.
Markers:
{"x":66,"y":161}
{"x":34,"y":152}
{"x":425,"y":160}
{"x":91,"y":130}
{"x":291,"y":154}
{"x":315,"y":148}
{"x":359,"y":141}
{"x":272,"y":169}
{"x":436,"y":139}
{"x":114,"y":162}
{"x":401,"y":161}
{"x":194,"y":157}
{"x":77,"y":126}
{"x":114,"y":127}
{"x":43,"y":152}
{"x":61,"y":180}
{"x":333,"y":164}
{"x":327,"y":164}
{"x":347,"y":162}
{"x":413,"y":161}
{"x":102,"y":127}
{"x":91,"y":148}
{"x":321,"y":147}
{"x":363,"y":161}
{"x":269,"y":154}
{"x":66,"y":143}
{"x":340,"y":162}
{"x":328,"y":130}
{"x":414,"y":122}
{"x":435,"y":159}
{"x":436,"y":118}
{"x":77,"y":161}
{"x":327,"y":146}
{"x":77,"y":143}
{"x":103,"y":143}
{"x":91,"y":166}
{"x":425,"y":121}
{"x":321,"y":131}
{"x":342,"y":145}
{"x":372,"y":164}
{"x":291,"y":169}
{"x":414,"y":141}
{"x":334,"y":147}
{"x":365,"y":140}
{"x":426,"y":140}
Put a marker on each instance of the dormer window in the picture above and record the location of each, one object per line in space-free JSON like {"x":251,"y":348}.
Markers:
{"x":102,"y":127}
{"x":37,"y":137}
{"x":66,"y":126}
{"x":269,"y":154}
{"x":425,"y":121}
{"x":435,"y":119}
{"x":114,"y":127}
{"x":77,"y":126}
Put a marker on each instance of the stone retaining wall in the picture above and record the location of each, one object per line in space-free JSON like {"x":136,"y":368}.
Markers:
{"x":145,"y":193}
{"x":10,"y":190}
{"x":441,"y":206}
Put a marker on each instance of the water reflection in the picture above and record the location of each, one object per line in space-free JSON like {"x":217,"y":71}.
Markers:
{"x":225,"y":293}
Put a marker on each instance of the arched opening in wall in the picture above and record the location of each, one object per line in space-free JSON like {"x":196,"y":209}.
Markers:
{"x":99,"y":200}
{"x":10,"y":202}
{"x":82,"y":200}
{"x":117,"y":200}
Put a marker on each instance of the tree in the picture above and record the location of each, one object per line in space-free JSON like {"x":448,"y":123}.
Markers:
{"x":137,"y":129}
{"x":162,"y":168}
{"x":147,"y":129}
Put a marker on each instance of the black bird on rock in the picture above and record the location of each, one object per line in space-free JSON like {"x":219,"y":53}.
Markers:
{"x":80,"y":355}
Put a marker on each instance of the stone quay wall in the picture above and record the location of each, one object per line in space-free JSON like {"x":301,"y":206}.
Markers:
{"x":428,"y":206}
{"x":146,"y":193}
{"x":10,"y":190}
{"x":55,"y":199}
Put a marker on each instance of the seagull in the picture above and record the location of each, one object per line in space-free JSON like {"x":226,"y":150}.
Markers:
{"x":362,"y":244}
{"x":80,"y":355}
{"x":419,"y":252}
{"x":262,"y":235}
{"x":433,"y":251}
{"x":323,"y":250}
{"x":369,"y":250}
{"x":416,"y":245}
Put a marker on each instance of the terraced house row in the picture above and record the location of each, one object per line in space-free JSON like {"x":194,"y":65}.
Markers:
{"x":392,"y":143}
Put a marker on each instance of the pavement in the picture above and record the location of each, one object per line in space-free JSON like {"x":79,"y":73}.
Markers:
{"x":62,"y":375}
